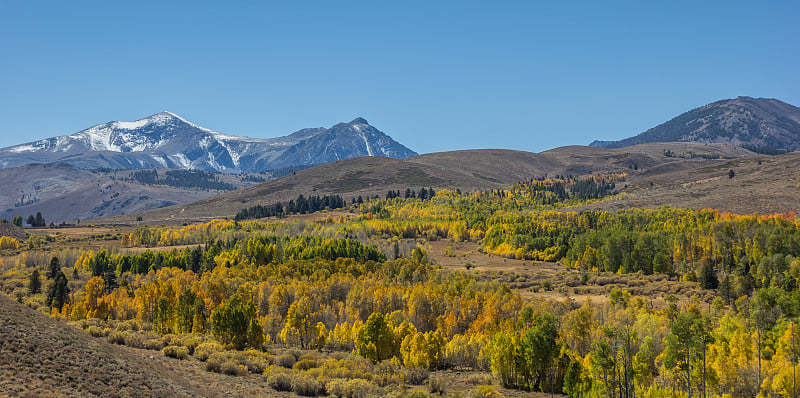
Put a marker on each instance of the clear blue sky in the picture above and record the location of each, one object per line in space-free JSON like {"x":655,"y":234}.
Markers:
{"x":435,"y":76}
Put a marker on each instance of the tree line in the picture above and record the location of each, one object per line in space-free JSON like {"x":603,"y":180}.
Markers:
{"x":301,"y":205}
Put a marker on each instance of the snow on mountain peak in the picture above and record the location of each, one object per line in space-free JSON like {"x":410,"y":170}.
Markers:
{"x":168,"y":140}
{"x":159,"y":119}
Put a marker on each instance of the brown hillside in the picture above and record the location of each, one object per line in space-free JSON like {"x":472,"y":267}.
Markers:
{"x":44,"y":357}
{"x":471,"y":170}
{"x":8,"y":229}
{"x":764,"y":185}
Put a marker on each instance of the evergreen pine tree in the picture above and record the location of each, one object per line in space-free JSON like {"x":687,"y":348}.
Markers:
{"x":58,"y":294}
{"x":54,"y":269}
{"x":423,"y":193}
{"x":40,"y":222}
{"x":34,"y":283}
{"x":708,"y":278}
{"x":110,"y":279}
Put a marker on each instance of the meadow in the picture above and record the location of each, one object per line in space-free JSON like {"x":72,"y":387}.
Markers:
{"x":485,"y":293}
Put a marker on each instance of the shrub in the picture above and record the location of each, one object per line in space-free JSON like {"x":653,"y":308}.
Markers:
{"x":170,"y":339}
{"x":255,"y":361}
{"x":286,"y":360}
{"x":127,"y":325}
{"x":117,"y":337}
{"x":387,"y":372}
{"x":149,"y":341}
{"x":484,"y":392}
{"x":305,"y":364}
{"x":233,"y":369}
{"x":190,"y":343}
{"x":278,"y":379}
{"x":228,"y":366}
{"x":296,"y":353}
{"x":355,"y":388}
{"x":94,"y":331}
{"x":479,"y":378}
{"x":236,"y":362}
{"x":153,"y":344}
{"x":86,"y":323}
{"x":205,"y":350}
{"x":309,"y":355}
{"x":435,"y":385}
{"x":135,"y":340}
{"x":175,"y":351}
{"x":307,"y":386}
{"x":415,"y":376}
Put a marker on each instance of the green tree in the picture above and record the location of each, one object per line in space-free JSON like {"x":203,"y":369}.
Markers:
{"x":163,"y":318}
{"x":375,"y":340}
{"x":255,"y":334}
{"x":539,"y":349}
{"x":34,"y":283}
{"x":40,"y":222}
{"x":690,"y":335}
{"x":763,"y":312}
{"x":708,"y":276}
{"x":230,"y":321}
{"x":58,"y":294}
{"x":54,"y":269}
{"x":680,"y":347}
{"x":185,"y":311}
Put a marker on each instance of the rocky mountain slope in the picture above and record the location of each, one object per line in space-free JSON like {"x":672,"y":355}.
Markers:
{"x":166,"y":140}
{"x":765,"y":125}
{"x":63,"y":193}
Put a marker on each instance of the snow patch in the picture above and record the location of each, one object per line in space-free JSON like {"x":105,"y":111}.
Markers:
{"x":160,"y":160}
{"x":22,"y":148}
{"x":130,"y":125}
{"x":366,"y":143}
{"x":182,"y":160}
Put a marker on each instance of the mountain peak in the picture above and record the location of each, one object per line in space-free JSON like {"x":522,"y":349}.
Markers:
{"x":743,"y":121}
{"x":166,"y":140}
{"x":160,"y":118}
{"x":166,"y":115}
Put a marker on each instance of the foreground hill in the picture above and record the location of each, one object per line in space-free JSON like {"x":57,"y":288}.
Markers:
{"x":45,"y":357}
{"x":465,"y":170}
{"x":165,"y":140}
{"x":759,"y":123}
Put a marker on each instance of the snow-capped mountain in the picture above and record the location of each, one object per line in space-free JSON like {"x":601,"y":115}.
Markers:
{"x":165,"y":140}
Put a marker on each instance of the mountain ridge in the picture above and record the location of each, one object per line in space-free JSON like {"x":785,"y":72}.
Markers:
{"x":765,"y":123}
{"x":467,"y":170}
{"x":166,"y":140}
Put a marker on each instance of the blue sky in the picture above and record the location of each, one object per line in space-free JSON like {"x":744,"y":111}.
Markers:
{"x":436,"y":76}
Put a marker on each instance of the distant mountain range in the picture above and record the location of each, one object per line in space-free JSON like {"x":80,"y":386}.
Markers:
{"x":763,"y":125}
{"x":165,"y":140}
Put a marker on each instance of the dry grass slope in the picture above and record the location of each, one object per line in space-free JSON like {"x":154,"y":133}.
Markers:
{"x":695,"y":176}
{"x":45,"y":357}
